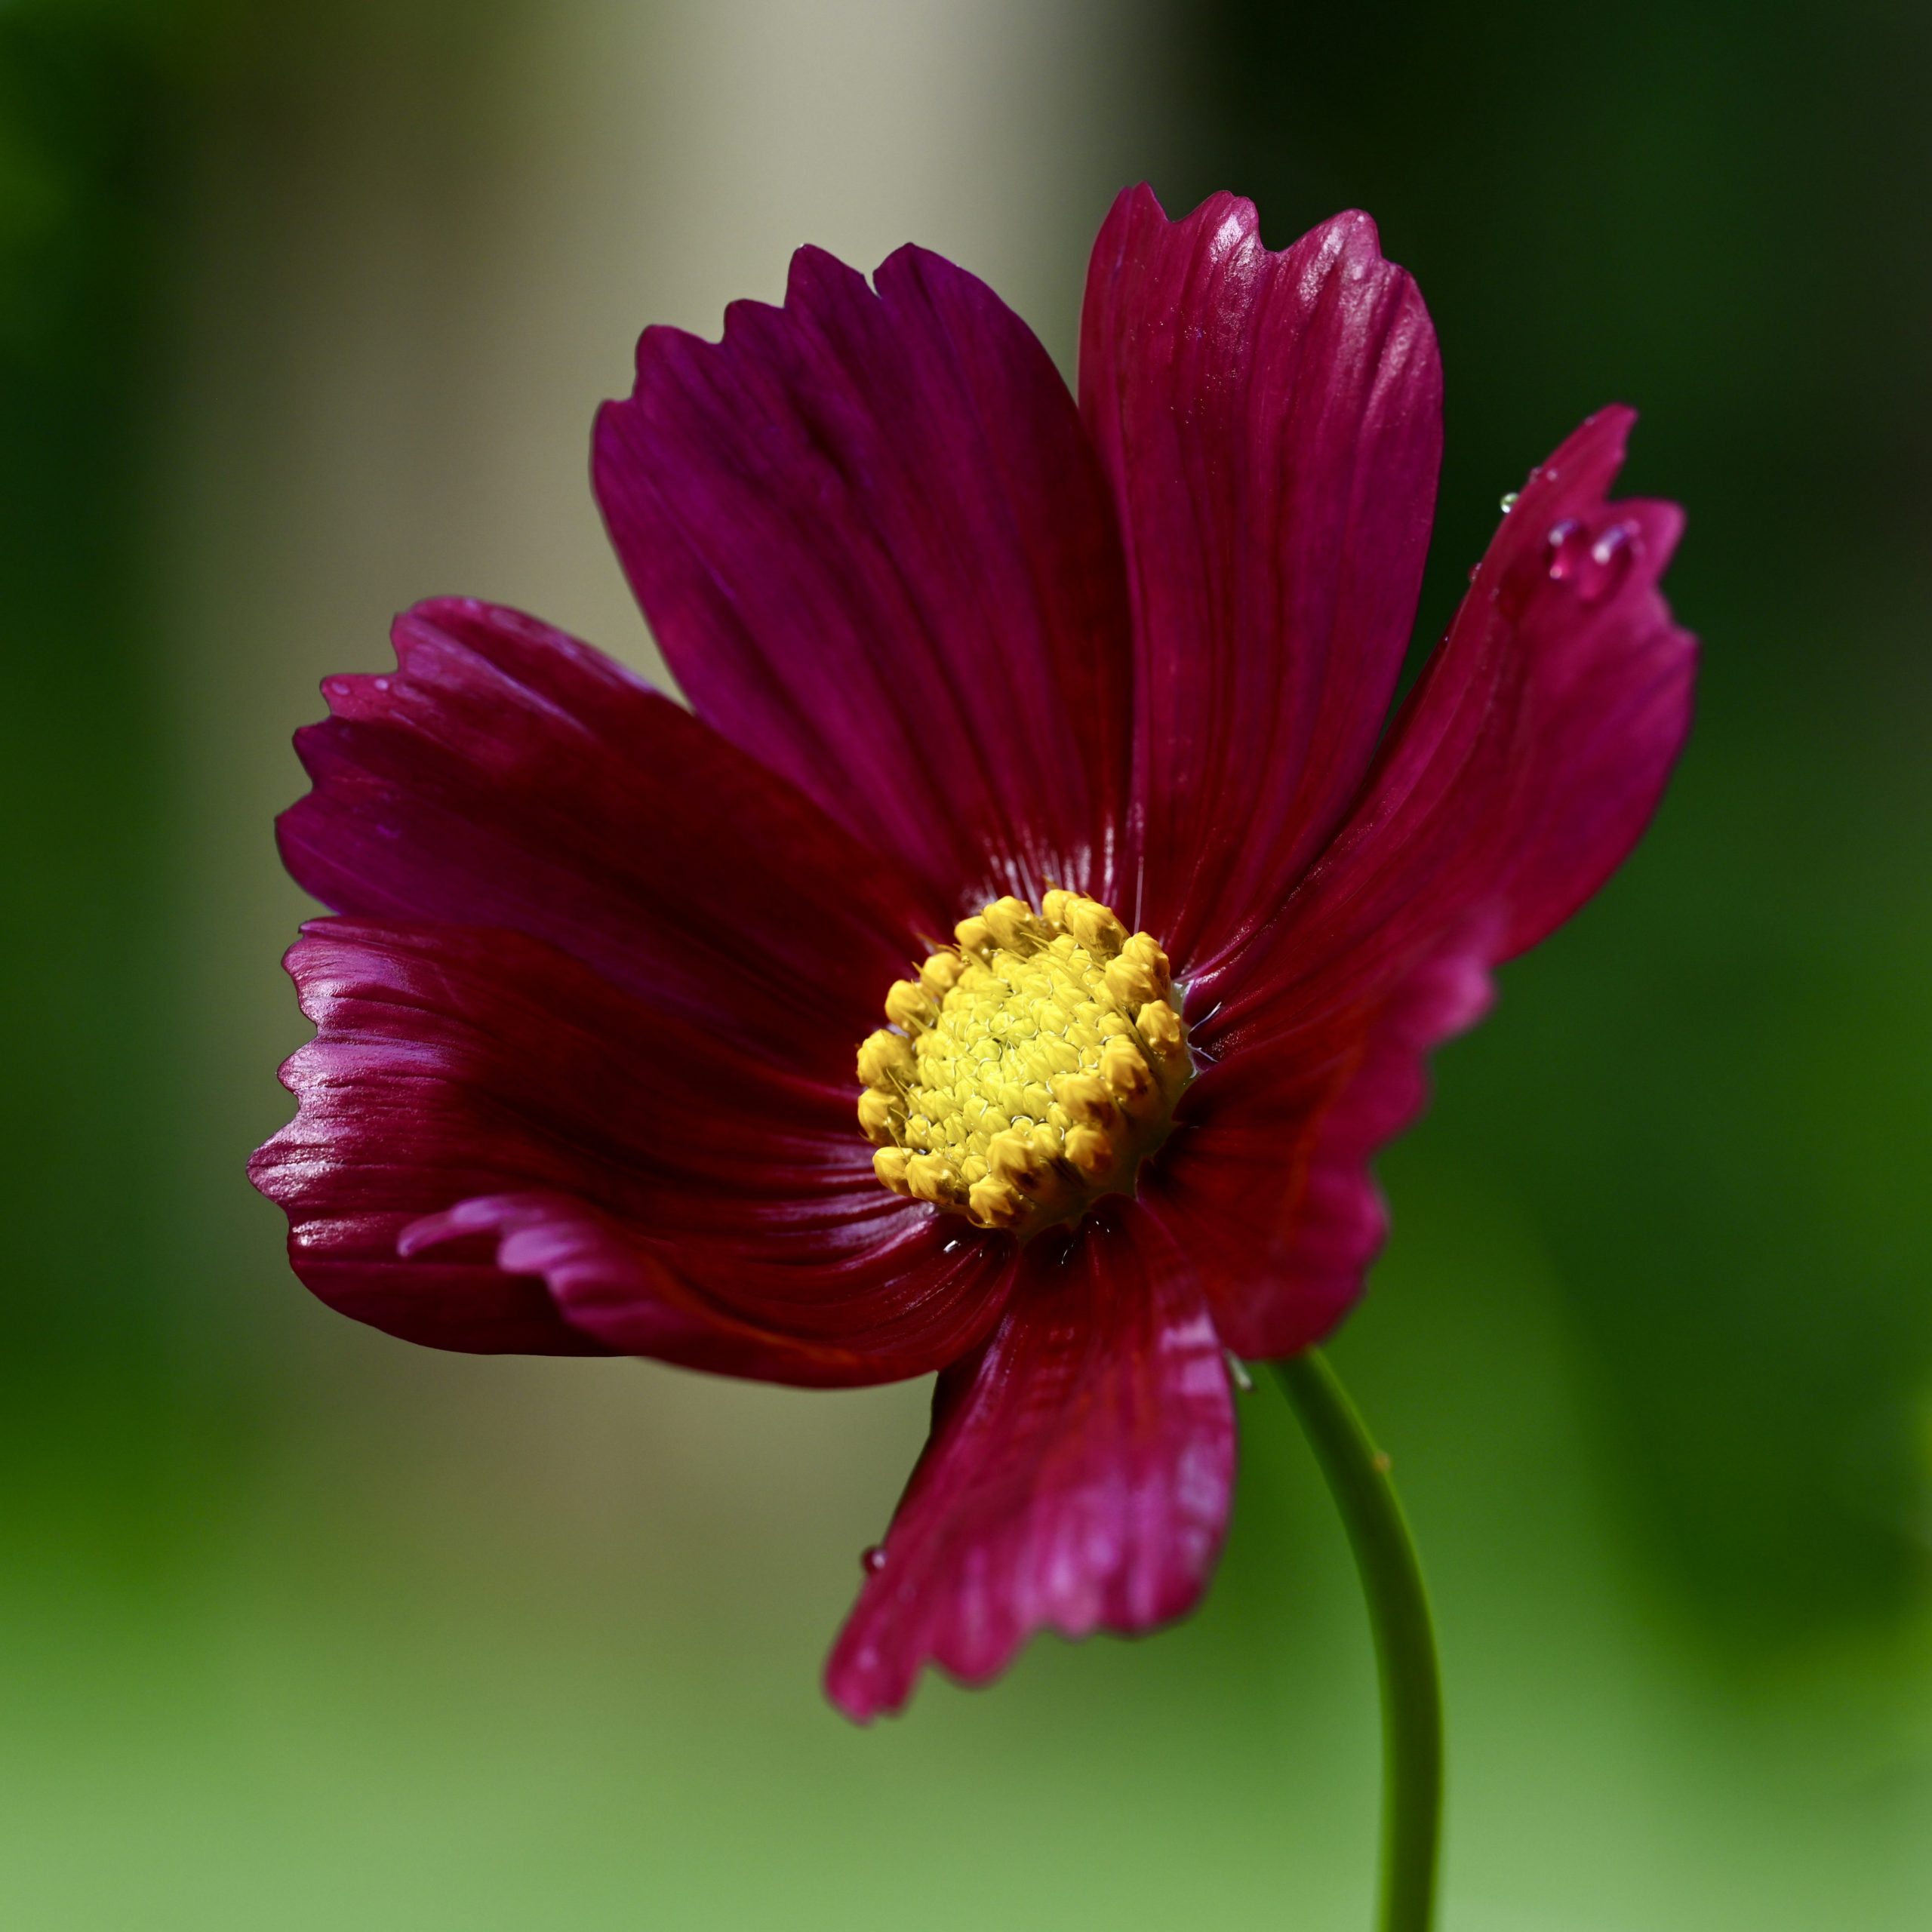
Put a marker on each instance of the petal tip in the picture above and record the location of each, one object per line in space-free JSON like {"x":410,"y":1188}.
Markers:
{"x":853,"y":1689}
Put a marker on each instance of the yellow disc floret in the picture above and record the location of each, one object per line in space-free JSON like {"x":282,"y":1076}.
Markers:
{"x":1028,"y":1069}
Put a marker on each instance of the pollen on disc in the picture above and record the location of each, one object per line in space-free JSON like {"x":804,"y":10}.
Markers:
{"x":1028,"y":1068}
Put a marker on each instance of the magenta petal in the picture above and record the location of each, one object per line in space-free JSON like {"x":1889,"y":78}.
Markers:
{"x":1078,"y":1477}
{"x":1529,"y":758}
{"x":901,"y":1308}
{"x":506,"y":775}
{"x":1267,"y":1180}
{"x":476,"y":1105}
{"x":1524,"y":767}
{"x":1271,"y":424}
{"x":876,"y":550}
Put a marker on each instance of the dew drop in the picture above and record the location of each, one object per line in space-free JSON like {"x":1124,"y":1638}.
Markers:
{"x":872,"y":1559}
{"x":1594,"y":570}
{"x":1569,"y":544}
{"x":1238,"y":1373}
{"x":1610,"y":558}
{"x":1510,"y":500}
{"x":382,"y":684}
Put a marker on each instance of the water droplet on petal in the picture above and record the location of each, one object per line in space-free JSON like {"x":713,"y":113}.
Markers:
{"x":1610,"y":558}
{"x":872,"y":1559}
{"x":1510,"y":499}
{"x":1594,"y":570}
{"x":1238,"y":1372}
{"x":1569,"y":543}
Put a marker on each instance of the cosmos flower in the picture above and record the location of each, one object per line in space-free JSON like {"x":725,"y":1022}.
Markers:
{"x":1010,"y":962}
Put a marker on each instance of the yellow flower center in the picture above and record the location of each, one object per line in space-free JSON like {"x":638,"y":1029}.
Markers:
{"x":1029,"y":1069}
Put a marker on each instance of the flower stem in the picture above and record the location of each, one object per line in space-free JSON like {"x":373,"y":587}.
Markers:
{"x":1358,"y":1474}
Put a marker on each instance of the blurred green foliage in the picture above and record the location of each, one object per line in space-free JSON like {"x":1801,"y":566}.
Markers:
{"x":1710,"y":1096}
{"x":79,"y":118}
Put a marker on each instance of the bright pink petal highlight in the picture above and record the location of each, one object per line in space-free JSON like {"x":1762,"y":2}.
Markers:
{"x":1271,"y":424}
{"x":1078,"y":1478}
{"x":504,"y":774}
{"x":1523,"y":768}
{"x":876,"y":550}
{"x":476,"y":1086}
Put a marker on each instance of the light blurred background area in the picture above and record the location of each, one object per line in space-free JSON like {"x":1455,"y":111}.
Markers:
{"x":304,"y":312}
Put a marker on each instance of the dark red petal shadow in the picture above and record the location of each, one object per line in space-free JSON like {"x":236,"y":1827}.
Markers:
{"x":513,"y":1115}
{"x":1524,"y":767}
{"x":1078,"y":1477}
{"x":877,"y":552}
{"x":506,"y":775}
{"x":1266,"y":1180}
{"x":1271,"y":424}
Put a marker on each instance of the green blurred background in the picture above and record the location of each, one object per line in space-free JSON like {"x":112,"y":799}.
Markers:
{"x":304,"y":309}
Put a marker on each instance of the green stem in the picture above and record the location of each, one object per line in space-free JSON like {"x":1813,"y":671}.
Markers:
{"x":1358,"y":1474}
